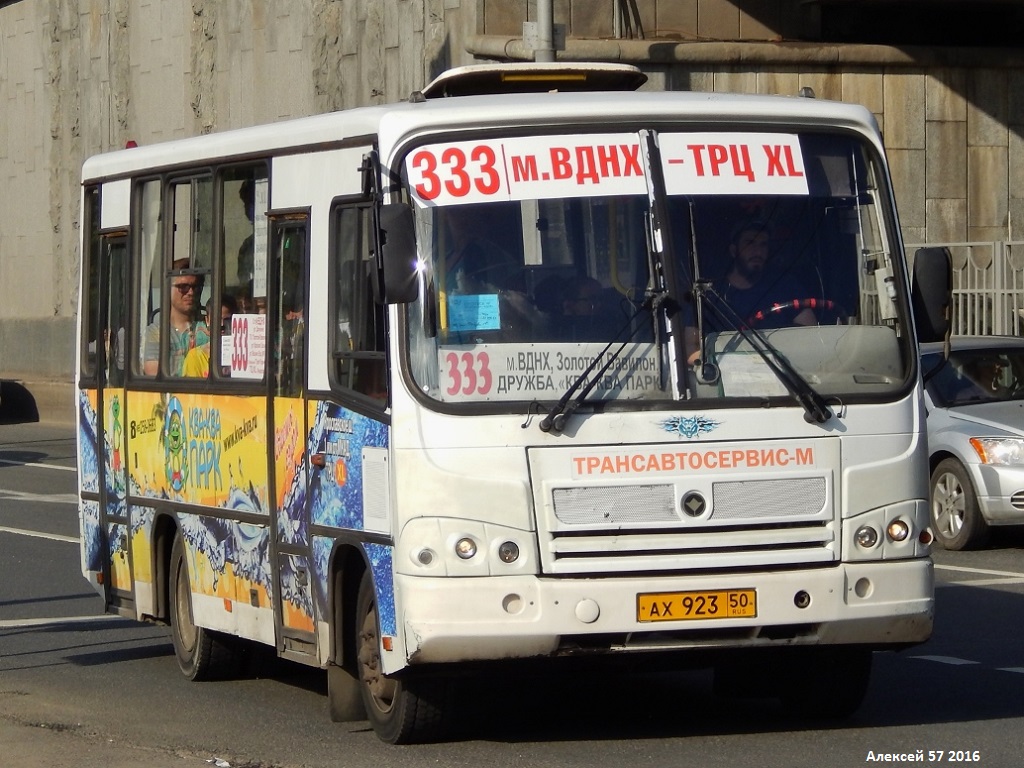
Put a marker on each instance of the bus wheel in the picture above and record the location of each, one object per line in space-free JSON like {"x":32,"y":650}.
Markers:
{"x":200,"y":653}
{"x":402,"y":710}
{"x":826,"y":682}
{"x":344,"y":696}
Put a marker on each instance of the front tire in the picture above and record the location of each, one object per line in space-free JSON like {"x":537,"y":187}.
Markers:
{"x":201,"y":654}
{"x":825,"y":682}
{"x":402,"y":710}
{"x":956,"y":516}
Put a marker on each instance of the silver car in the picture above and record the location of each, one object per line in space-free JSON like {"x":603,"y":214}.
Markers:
{"x":975,"y":403}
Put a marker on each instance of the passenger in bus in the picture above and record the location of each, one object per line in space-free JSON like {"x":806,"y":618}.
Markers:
{"x":114,"y":347}
{"x":586,"y":313}
{"x":291,"y":347}
{"x":749,"y":286}
{"x":246,"y":251}
{"x":476,"y":265}
{"x":228,"y":309}
{"x":187,"y":331}
{"x":474,"y":262}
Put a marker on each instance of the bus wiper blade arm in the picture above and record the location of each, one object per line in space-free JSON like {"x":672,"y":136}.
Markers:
{"x":815,"y":407}
{"x":555,"y":419}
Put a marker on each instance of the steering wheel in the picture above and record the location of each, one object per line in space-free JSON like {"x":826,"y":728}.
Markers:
{"x":796,"y":306}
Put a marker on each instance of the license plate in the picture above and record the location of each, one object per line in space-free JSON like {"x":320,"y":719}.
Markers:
{"x":700,"y":604}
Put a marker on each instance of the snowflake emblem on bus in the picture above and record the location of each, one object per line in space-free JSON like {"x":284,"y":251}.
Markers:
{"x":689,"y":426}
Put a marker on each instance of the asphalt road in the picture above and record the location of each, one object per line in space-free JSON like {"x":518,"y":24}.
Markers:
{"x":81,"y":689}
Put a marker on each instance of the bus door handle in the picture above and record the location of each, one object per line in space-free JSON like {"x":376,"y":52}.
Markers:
{"x":318,"y":460}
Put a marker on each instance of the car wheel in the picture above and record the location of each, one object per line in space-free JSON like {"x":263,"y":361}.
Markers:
{"x":956,"y":517}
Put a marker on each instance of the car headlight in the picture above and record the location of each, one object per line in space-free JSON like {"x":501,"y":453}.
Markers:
{"x":999,"y":450}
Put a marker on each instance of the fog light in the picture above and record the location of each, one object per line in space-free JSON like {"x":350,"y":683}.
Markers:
{"x":465,"y":548}
{"x":425,"y":557}
{"x":863,"y":588}
{"x":925,"y":537}
{"x":508,"y":552}
{"x":866,"y":536}
{"x":898,"y":530}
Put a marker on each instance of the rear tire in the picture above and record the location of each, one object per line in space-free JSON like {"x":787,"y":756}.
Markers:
{"x":201,"y":654}
{"x":956,"y":516}
{"x":402,"y":710}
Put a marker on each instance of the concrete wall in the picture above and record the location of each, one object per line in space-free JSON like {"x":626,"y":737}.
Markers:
{"x":954,"y":135}
{"x":79,"y":77}
{"x":84,"y":76}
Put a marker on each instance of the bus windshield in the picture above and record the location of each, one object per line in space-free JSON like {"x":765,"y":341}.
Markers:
{"x":658,"y":266}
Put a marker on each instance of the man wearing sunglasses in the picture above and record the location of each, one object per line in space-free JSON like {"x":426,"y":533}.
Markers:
{"x":187,"y":331}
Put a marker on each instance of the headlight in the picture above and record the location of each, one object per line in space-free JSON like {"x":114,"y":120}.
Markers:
{"x":999,"y":450}
{"x":866,"y":536}
{"x":898,"y":530}
{"x":465,"y":548}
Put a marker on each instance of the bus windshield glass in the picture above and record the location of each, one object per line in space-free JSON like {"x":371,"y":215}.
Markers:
{"x":658,"y":266}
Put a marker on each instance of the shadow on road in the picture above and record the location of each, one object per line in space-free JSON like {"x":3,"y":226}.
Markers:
{"x":17,"y":404}
{"x":966,"y":672}
{"x":9,"y":458}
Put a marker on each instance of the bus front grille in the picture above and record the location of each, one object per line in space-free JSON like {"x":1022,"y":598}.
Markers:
{"x":656,"y":527}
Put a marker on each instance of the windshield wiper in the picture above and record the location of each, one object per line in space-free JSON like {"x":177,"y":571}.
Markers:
{"x":815,"y":407}
{"x":560,"y":412}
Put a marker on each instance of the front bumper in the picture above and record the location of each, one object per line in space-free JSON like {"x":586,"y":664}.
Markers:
{"x":449,"y":620}
{"x":1000,"y":493}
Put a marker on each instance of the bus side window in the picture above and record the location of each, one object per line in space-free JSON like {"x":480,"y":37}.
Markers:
{"x":290,"y":272}
{"x":244,"y":236}
{"x":92,"y":242}
{"x":358,"y":348}
{"x":177,"y":334}
{"x":243,"y":265}
{"x":146,"y":220}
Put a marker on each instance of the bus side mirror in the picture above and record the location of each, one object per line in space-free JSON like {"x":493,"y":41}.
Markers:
{"x":931,"y":293}
{"x":397,"y":266}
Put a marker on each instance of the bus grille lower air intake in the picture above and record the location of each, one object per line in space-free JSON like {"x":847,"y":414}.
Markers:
{"x":754,"y":524}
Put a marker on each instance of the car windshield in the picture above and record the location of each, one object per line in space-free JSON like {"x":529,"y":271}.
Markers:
{"x":976,"y":376}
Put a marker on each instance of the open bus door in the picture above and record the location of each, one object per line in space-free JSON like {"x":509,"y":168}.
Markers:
{"x":292,"y":544}
{"x":109,"y":280}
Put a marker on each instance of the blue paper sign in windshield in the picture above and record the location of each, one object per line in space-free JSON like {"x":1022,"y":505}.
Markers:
{"x":474,"y":312}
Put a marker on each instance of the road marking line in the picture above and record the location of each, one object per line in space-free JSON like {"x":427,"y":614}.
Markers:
{"x":984,"y":582}
{"x":41,"y":535}
{"x":19,"y":623}
{"x":53,"y":498}
{"x":987,"y":572}
{"x":1018,"y":670}
{"x":945,"y":660}
{"x":37,"y":464}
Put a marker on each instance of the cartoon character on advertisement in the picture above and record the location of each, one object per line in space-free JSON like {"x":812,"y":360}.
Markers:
{"x":174,"y":445}
{"x":116,"y":433}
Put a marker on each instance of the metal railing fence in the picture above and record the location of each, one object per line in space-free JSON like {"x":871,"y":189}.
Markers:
{"x":988,"y":286}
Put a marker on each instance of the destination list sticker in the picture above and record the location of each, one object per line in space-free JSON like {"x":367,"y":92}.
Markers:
{"x":544,"y":371}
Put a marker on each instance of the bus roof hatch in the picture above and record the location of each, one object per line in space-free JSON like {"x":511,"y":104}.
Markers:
{"x":533,"y":77}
